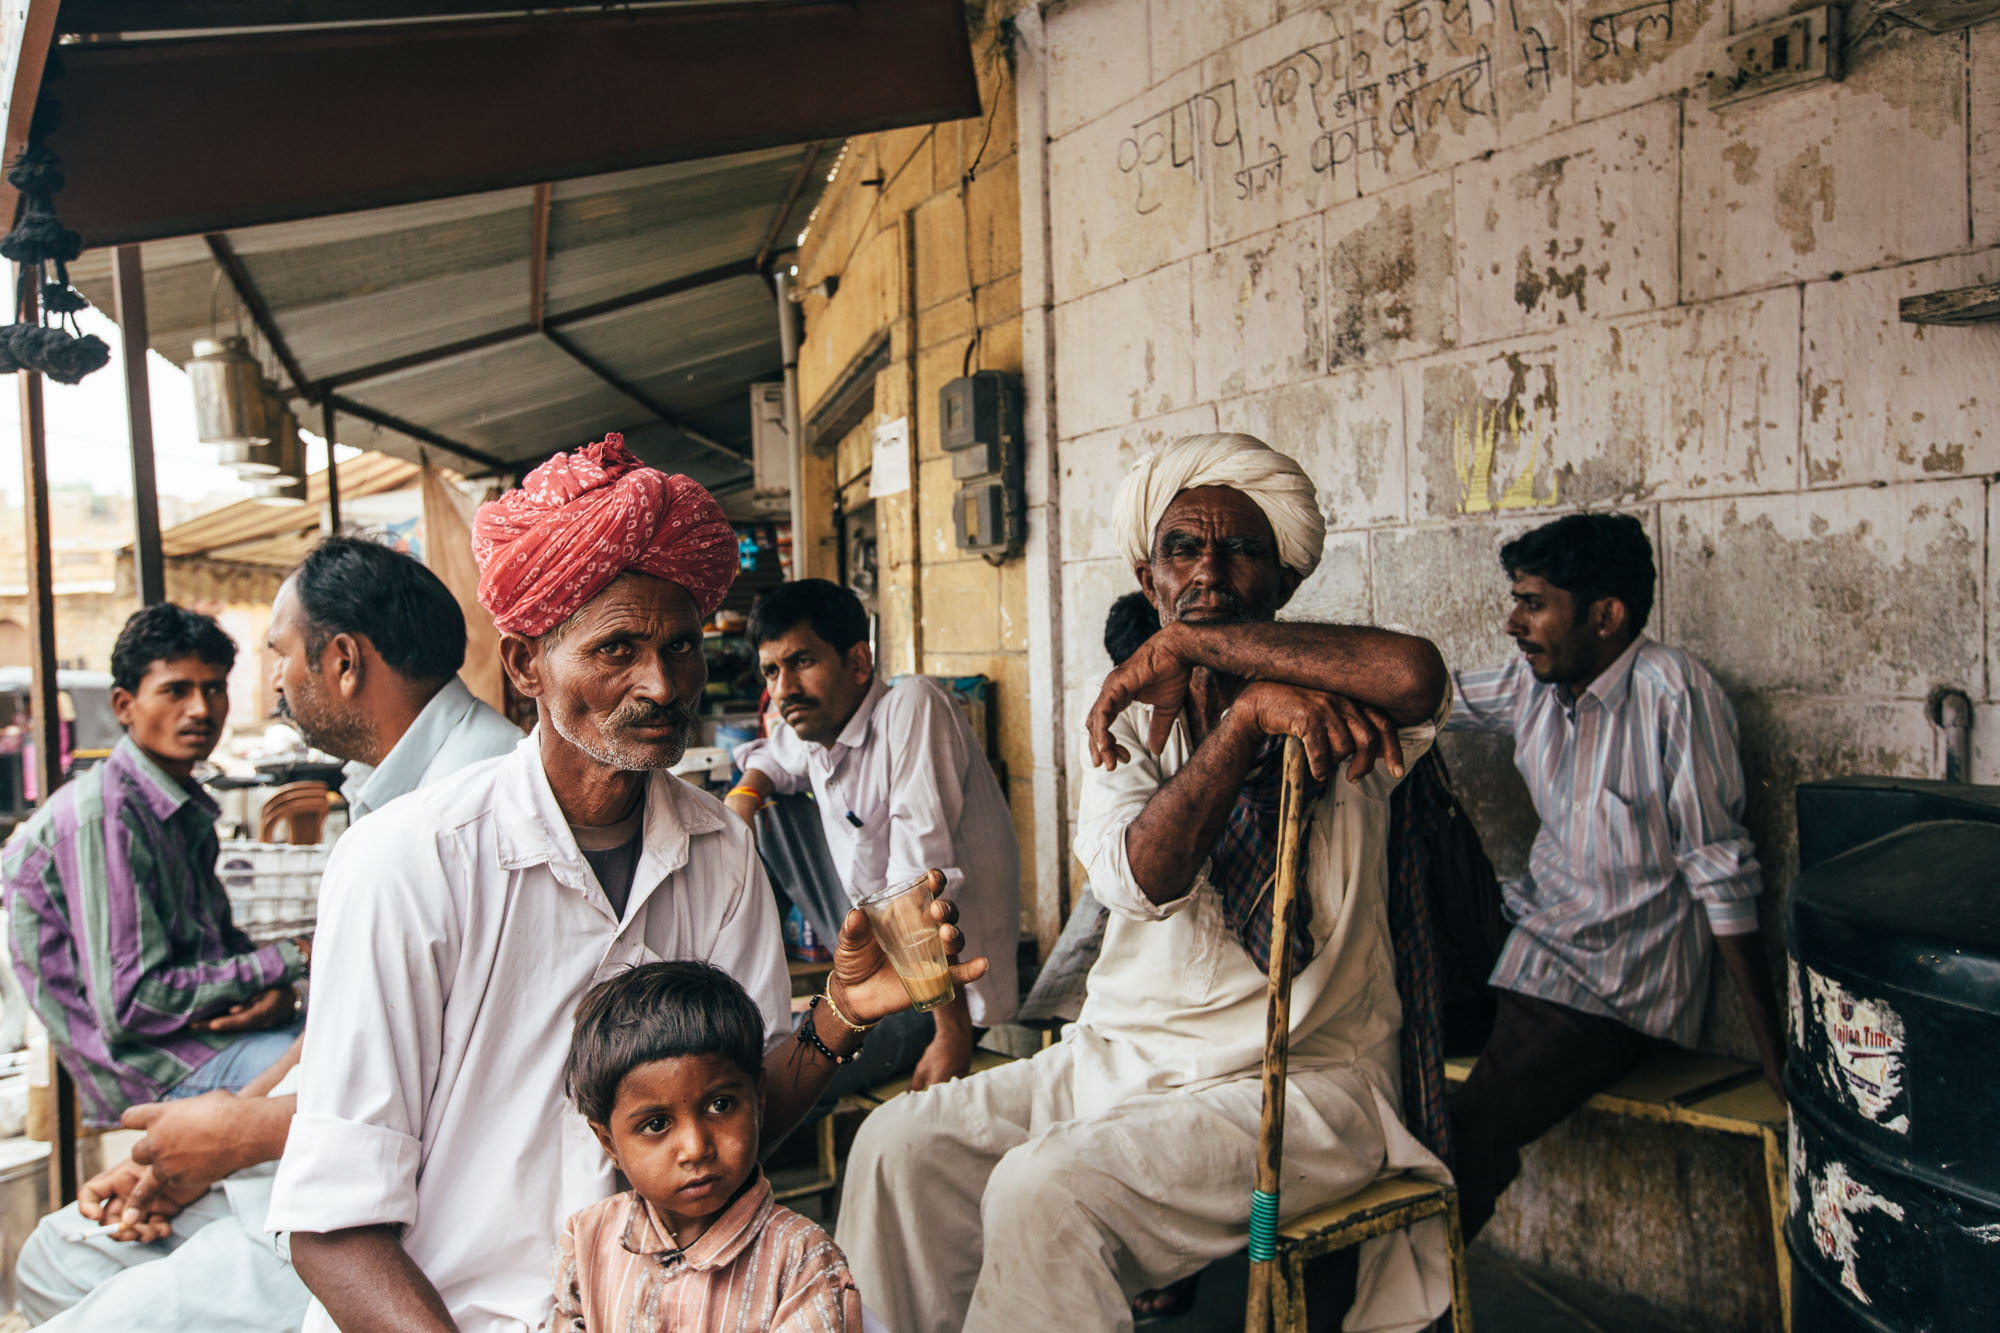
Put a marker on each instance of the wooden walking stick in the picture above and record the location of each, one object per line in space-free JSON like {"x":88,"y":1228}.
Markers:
{"x":1277,"y":1043}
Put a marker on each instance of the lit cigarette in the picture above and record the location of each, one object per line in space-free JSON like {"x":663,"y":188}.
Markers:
{"x":95,"y":1233}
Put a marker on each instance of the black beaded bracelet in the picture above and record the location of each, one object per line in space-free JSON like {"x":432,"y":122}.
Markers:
{"x":809,"y":1036}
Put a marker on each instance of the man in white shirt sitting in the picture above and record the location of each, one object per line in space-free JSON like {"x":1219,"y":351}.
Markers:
{"x":1123,"y":1158}
{"x":433,"y":1158}
{"x":900,"y":784}
{"x":365,"y":645}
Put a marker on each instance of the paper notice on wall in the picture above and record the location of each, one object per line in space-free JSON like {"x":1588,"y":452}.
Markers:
{"x":889,"y":474}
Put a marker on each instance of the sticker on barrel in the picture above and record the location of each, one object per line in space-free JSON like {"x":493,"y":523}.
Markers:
{"x":1837,"y":1199}
{"x":1864,"y":1040}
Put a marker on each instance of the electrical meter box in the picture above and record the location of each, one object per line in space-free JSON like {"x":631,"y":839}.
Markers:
{"x":981,"y":429}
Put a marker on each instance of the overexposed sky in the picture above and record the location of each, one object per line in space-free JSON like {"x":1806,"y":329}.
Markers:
{"x":87,"y":435}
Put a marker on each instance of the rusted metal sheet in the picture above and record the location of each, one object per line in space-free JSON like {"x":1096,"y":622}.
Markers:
{"x":428,"y":111}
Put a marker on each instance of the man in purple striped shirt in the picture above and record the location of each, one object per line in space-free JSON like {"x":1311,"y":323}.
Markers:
{"x":1641,"y":864}
{"x":121,"y":931}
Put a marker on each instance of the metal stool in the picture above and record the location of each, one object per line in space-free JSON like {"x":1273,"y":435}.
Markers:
{"x":1387,"y":1205}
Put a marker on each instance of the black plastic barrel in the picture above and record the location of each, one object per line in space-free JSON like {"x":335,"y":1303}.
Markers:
{"x":1894,"y":1082}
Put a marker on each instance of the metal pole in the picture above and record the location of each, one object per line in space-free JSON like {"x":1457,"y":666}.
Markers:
{"x":788,"y":347}
{"x":45,"y":727}
{"x":128,"y":295}
{"x":332,"y":471}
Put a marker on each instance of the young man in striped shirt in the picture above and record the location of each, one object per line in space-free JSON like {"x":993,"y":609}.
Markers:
{"x":1628,"y":748}
{"x":120,"y":929}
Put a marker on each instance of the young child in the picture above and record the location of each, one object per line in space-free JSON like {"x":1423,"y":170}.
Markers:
{"x":665,"y":1063}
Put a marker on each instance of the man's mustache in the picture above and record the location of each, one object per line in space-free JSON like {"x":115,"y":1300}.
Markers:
{"x":792,"y":701}
{"x":653,"y":715}
{"x":284,"y":709}
{"x":1219,"y":599}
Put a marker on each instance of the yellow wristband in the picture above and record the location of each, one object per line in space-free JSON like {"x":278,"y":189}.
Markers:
{"x":745,"y":791}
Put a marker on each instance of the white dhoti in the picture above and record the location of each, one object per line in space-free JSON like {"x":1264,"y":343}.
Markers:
{"x":988,"y":1204}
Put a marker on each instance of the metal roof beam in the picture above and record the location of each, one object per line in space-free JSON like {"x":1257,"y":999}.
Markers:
{"x":777,"y":232}
{"x":421,"y":433}
{"x":336,"y":119}
{"x":642,"y":398}
{"x":267,"y":324}
{"x":538,"y":253}
{"x":480,"y":342}
{"x":260,"y":311}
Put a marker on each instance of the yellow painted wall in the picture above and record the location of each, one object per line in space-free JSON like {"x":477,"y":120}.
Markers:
{"x":922,"y":228}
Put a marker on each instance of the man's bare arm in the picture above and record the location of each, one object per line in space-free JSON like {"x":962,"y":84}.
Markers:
{"x":368,"y":1282}
{"x":1744,"y":955}
{"x":866,"y":989}
{"x":1176,"y":831}
{"x":1400,"y":674}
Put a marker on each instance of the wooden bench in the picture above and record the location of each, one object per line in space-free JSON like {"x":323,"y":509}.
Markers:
{"x":1707,"y":1092}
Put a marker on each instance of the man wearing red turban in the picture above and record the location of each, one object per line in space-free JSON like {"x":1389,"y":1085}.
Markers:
{"x":433,"y":1159}
{"x":580,"y":520}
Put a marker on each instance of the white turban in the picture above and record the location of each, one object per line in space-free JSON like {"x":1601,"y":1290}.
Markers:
{"x":1244,"y":463}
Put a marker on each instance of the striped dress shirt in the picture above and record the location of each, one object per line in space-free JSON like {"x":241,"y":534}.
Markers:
{"x":1640,"y":793}
{"x":759,"y":1268}
{"x":121,"y":932}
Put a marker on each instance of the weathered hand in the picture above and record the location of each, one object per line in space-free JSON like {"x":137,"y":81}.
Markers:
{"x":863,"y":983}
{"x":1160,"y":674}
{"x":192,"y":1143}
{"x":130,"y":1194}
{"x":272,"y":1008}
{"x":1332,"y":727}
{"x":949,"y":1056}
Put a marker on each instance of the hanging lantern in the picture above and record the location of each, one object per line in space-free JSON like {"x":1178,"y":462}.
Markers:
{"x":259,"y":458}
{"x":228,"y":393}
{"x":287,"y":487}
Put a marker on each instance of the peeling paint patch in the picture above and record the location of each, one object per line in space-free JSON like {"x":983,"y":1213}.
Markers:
{"x":1865,"y":1050}
{"x":1742,"y":159}
{"x":1804,"y":183}
{"x":1837,"y":1200}
{"x":1388,"y":286}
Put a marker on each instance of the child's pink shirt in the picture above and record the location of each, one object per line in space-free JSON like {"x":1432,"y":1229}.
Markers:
{"x":759,"y":1265}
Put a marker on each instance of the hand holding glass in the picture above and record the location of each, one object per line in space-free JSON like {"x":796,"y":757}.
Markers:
{"x":902,"y":923}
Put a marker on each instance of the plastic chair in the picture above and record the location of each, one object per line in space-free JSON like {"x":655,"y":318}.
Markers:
{"x":300,"y":809}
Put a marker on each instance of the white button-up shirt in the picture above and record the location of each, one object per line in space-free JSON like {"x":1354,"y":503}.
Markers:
{"x":1175,"y":1001}
{"x":904,"y":788}
{"x":460,"y":927}
{"x":453,"y":730}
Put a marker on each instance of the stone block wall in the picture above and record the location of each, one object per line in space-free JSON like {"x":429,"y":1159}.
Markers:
{"x":1478,"y":263}
{"x":921,"y":229}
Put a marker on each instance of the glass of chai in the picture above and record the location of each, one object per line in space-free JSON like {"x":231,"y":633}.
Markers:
{"x":901,"y":919}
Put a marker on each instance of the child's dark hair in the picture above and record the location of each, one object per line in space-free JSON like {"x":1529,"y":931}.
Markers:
{"x":658,"y":1011}
{"x":165,"y":632}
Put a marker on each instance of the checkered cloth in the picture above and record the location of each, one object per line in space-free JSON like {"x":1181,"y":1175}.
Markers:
{"x":1244,"y":865}
{"x":1421,"y":815}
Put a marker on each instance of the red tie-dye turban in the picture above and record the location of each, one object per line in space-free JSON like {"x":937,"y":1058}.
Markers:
{"x":583,"y":518}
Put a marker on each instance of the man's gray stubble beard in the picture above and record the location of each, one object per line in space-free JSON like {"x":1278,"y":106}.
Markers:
{"x":607,"y":753}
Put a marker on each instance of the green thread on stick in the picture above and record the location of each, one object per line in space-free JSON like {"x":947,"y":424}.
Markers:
{"x":1263,"y":1226}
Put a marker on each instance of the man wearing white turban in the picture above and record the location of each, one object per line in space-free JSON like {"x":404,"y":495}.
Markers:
{"x":1122,"y":1158}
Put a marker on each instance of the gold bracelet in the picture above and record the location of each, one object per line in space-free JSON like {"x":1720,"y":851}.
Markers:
{"x":744,"y":790}
{"x":845,"y":1021}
